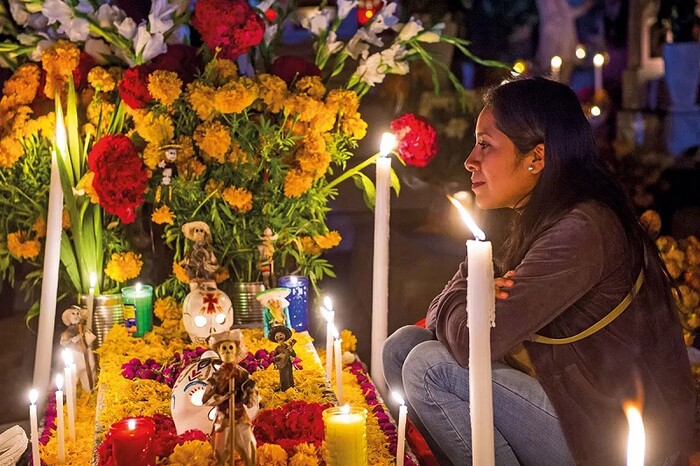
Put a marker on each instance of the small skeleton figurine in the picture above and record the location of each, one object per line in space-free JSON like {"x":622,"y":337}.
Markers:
{"x":200,"y":262}
{"x":284,"y":355}
{"x":168,"y":171}
{"x":236,"y":398}
{"x":266,"y":263}
{"x":78,"y":338}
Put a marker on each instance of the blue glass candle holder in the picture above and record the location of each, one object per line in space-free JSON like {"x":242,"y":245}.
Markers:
{"x":298,"y":302}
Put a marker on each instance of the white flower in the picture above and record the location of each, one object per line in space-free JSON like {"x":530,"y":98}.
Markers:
{"x":108,"y":16}
{"x":179,"y":35}
{"x":344,"y":7}
{"x":18,"y":12}
{"x":147,"y":45}
{"x":270,"y":32}
{"x":40,"y":42}
{"x":332,"y":45}
{"x":384,"y":19}
{"x":160,"y":18}
{"x":395,"y":59}
{"x":57,"y":11}
{"x":98,"y":50}
{"x":126,"y":28}
{"x":368,"y":71}
{"x":317,"y":23}
{"x":409,"y":30}
{"x":358,"y":44}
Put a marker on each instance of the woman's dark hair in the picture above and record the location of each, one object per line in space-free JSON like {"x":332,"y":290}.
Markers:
{"x":539,"y":111}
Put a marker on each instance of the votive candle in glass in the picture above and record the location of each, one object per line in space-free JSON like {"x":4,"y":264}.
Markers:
{"x":298,"y":303}
{"x":132,"y":442}
{"x":140,"y":297}
{"x":346,"y":435}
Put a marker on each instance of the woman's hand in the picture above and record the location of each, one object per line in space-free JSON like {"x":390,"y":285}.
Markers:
{"x":504,"y":282}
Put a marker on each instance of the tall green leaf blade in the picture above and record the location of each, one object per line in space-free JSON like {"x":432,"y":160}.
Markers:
{"x":69,"y":261}
{"x":74,"y":140}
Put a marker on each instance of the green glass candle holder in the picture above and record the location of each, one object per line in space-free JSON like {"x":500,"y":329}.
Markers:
{"x":138,"y":302}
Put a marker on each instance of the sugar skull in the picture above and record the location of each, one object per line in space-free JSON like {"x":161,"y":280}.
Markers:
{"x":206,"y":311}
{"x":188,"y":410}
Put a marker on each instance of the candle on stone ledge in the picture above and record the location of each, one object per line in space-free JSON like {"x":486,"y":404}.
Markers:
{"x":380,"y":266}
{"x":481,"y":309}
{"x":346,"y":435}
{"x":329,"y":314}
{"x":132,"y":442}
{"x":338,"y":359}
{"x":598,"y":61}
{"x":400,"y":443}
{"x":140,"y":297}
{"x":60,"y":429}
{"x":635,"y":441}
{"x":34,"y":427}
{"x":70,"y":392}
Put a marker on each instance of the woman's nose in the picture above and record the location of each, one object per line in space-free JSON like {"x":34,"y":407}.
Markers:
{"x":470,"y":163}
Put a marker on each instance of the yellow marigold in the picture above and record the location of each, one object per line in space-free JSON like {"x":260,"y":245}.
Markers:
{"x":311,"y":86}
{"x":214,"y":185}
{"x":353,"y":125}
{"x":59,"y":61}
{"x":156,"y":129}
{"x":101,"y":79}
{"x":302,"y":459}
{"x":124,"y":266}
{"x":22,"y":86}
{"x":152,"y":155}
{"x":89,"y":130}
{"x":273,"y":92}
{"x":10,"y":151}
{"x":22,"y":247}
{"x":220,"y":71}
{"x":164,"y":86}
{"x":304,"y":106}
{"x":167,"y":309}
{"x":235,"y":96}
{"x":65,"y":220}
{"x":297,"y":182}
{"x":116,"y":72}
{"x":47,"y":124}
{"x":213,"y":139}
{"x":313,"y":163}
{"x":324,"y":121}
{"x":236,"y":154}
{"x":193,"y":452}
{"x":195,"y":167}
{"x":328,"y":241}
{"x":309,"y":246}
{"x":180,"y":273}
{"x":349,"y":342}
{"x":85,"y":184}
{"x":271,"y":454}
{"x":200,"y":97}
{"x":239,"y":198}
{"x":221,"y":275}
{"x":100,"y":112}
{"x":343,"y":100}
{"x":163,"y":215}
{"x":39,"y":227}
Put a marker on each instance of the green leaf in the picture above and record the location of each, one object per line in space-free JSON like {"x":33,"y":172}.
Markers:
{"x":395,"y":182}
{"x":365,"y":185}
{"x":69,"y":260}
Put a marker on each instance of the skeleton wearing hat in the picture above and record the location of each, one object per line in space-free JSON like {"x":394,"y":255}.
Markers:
{"x":200,"y":262}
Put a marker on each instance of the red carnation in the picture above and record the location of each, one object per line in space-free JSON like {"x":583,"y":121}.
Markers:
{"x":120,"y":176}
{"x":416,"y":139}
{"x":133,"y":87}
{"x":231,"y":25}
{"x":289,"y":67}
{"x":81,"y":71}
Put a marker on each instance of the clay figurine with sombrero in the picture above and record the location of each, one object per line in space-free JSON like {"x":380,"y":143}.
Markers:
{"x":276,"y":313}
{"x":200,"y":262}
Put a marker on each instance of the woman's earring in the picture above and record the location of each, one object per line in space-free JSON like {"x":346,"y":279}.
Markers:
{"x":531,"y":167}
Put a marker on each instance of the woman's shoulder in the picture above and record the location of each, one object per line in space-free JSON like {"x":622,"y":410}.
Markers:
{"x":593,"y":214}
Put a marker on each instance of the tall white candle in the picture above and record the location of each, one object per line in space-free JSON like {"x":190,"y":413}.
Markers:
{"x":400,"y":442}
{"x":338,"y":359}
{"x":329,"y":315}
{"x":34,"y":427}
{"x":60,"y":430}
{"x":91,"y":299}
{"x":598,"y":61}
{"x":555,"y":65}
{"x":52,"y":255}
{"x":635,"y":442}
{"x":481,"y":310}
{"x":70,"y":392}
{"x":380,"y":267}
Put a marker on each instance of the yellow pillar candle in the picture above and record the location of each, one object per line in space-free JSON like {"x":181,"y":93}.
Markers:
{"x":346,"y":435}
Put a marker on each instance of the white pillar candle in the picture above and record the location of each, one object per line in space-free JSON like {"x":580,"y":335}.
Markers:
{"x":52,"y":255}
{"x":635,"y":442}
{"x":380,"y":267}
{"x":598,"y":61}
{"x":400,"y":442}
{"x":70,"y":392}
{"x":60,"y":430}
{"x":329,"y":315}
{"x":34,"y":427}
{"x":338,"y":369}
{"x":555,"y":64}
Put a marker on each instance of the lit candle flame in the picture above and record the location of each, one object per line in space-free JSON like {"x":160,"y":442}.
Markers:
{"x":67,"y":357}
{"x":556,"y":62}
{"x":468,"y":221}
{"x":345,"y":409}
{"x":131,"y":424}
{"x":598,"y":59}
{"x":33,"y":396}
{"x":580,"y":52}
{"x":61,"y":137}
{"x":59,"y":381}
{"x":138,"y":287}
{"x":399,"y":399}
{"x":328,"y":303}
{"x":387,"y":145}
{"x":595,"y":111}
{"x":93,"y":281}
{"x":635,"y":441}
{"x":328,"y":315}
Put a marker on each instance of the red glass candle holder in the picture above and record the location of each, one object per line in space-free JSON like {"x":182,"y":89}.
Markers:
{"x":132,"y":442}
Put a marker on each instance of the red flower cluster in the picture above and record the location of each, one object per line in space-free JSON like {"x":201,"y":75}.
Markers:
{"x":289,"y":67}
{"x":289,"y":425}
{"x":231,"y":25}
{"x":120,"y":176}
{"x":416,"y":139}
{"x":133,"y":88}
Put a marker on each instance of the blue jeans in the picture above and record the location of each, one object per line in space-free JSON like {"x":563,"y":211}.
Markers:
{"x":436,"y":387}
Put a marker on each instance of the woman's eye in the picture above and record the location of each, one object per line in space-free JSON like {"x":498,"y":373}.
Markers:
{"x":482,"y":144}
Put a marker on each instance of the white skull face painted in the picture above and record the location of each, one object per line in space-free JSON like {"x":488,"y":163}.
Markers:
{"x":188,"y":410}
{"x":206,"y":311}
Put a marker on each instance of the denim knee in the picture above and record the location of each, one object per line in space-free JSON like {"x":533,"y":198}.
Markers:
{"x":397,"y":347}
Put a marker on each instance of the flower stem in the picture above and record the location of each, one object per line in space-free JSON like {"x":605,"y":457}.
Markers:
{"x":354,"y":170}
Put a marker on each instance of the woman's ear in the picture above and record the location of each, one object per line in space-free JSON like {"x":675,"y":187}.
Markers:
{"x":537,"y":159}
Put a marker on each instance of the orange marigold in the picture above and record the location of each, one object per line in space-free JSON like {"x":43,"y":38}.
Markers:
{"x":101,"y":79}
{"x":200,"y":97}
{"x":220,"y":71}
{"x":297,"y":182}
{"x":124,"y":266}
{"x":180,"y":273}
{"x":236,"y":96}
{"x":163,"y":215}
{"x":273,"y":91}
{"x":271,"y":454}
{"x":39,"y":227}
{"x":59,"y":61}
{"x":22,"y":86}
{"x":156,"y":129}
{"x":65,"y":220}
{"x":239,"y":198}
{"x":329,"y":240}
{"x":85,"y":184}
{"x":164,"y":86}
{"x":311,"y":86}
{"x":21,"y":247}
{"x":309,"y":246}
{"x":213,"y":139}
{"x":221,"y":275}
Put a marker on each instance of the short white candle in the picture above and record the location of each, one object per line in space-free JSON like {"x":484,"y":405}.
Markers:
{"x":60,"y":430}
{"x":635,"y":442}
{"x":34,"y":427}
{"x":338,"y":367}
{"x":329,"y":315}
{"x":555,"y":64}
{"x":91,"y":299}
{"x":598,"y":61}
{"x":380,"y":266}
{"x":70,"y":392}
{"x":400,"y":443}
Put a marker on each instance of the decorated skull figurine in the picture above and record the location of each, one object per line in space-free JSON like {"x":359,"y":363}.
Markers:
{"x":188,"y":410}
{"x":206,"y":311}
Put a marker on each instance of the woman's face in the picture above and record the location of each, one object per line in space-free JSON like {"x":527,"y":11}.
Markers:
{"x":500,"y":178}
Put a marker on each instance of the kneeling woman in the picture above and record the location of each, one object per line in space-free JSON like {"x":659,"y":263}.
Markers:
{"x":575,"y":254}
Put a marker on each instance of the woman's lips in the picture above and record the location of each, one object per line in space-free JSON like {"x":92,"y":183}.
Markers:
{"x":477,"y":184}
